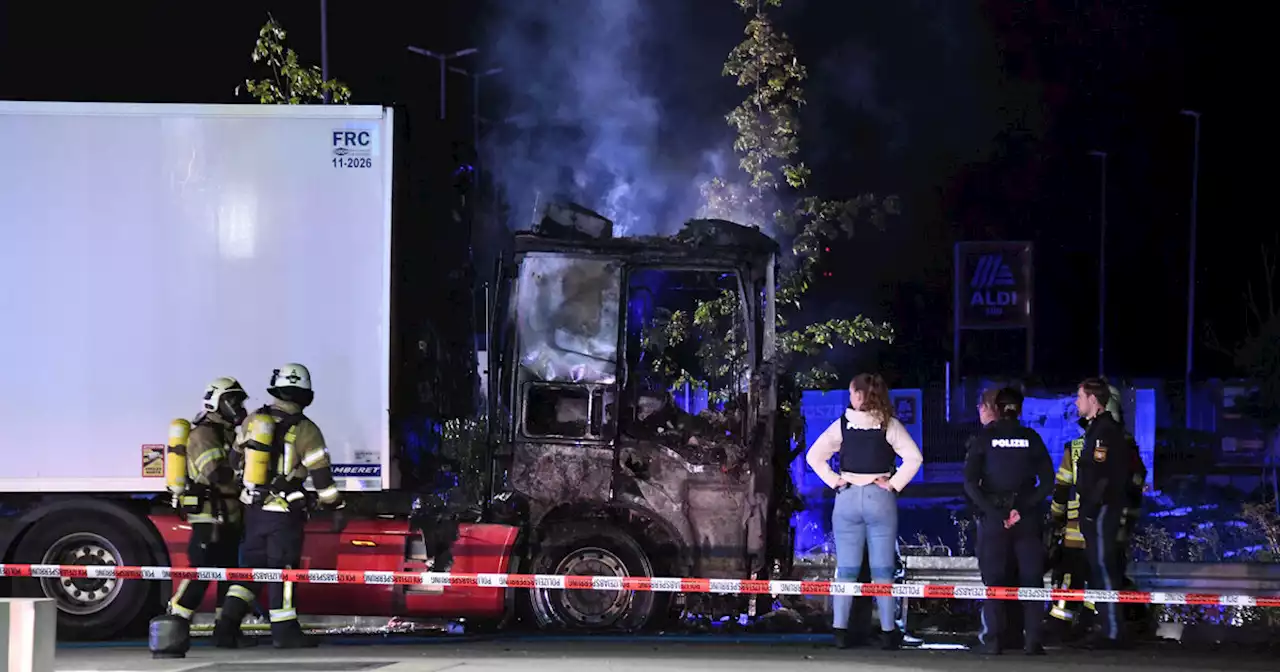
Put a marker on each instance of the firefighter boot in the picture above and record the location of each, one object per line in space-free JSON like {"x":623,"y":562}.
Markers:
{"x":288,"y":635}
{"x":169,"y":636}
{"x":226,"y":631}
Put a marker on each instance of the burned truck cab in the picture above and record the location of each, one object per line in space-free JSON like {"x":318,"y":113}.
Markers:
{"x":632,"y":407}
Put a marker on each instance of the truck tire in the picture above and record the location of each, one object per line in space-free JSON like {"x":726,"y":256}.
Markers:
{"x":586,"y":549}
{"x":88,"y":609}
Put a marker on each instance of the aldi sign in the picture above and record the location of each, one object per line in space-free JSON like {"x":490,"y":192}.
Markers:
{"x":993,"y":285}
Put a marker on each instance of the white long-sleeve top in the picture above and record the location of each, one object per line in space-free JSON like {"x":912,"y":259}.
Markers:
{"x":828,"y":444}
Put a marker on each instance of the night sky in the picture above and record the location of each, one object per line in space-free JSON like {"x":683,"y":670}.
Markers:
{"x":979,"y":113}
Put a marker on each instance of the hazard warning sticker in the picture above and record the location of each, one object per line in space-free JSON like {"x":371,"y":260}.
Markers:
{"x":153,"y":460}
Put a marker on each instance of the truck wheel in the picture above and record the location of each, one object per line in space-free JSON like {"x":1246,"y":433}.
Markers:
{"x":590,"y":550}
{"x":87,"y":608}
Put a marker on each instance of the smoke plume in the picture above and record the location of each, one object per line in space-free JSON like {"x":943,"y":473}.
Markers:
{"x":594,"y":114}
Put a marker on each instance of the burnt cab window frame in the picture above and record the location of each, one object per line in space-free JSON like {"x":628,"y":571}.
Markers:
{"x":595,"y":430}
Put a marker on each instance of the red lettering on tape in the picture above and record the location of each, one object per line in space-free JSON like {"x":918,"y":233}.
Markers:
{"x":186,"y":573}
{"x":1201,"y":598}
{"x":77,"y":572}
{"x":877,"y":590}
{"x":636,"y":583}
{"x":815,"y":587}
{"x":939,"y":592}
{"x":755,"y":587}
{"x":1002,"y":593}
{"x":350,"y":577}
{"x":240,"y":575}
{"x":578,"y":582}
{"x":520,"y":580}
{"x":1132,"y":597}
{"x":695,"y":585}
{"x":128,"y":572}
{"x":297,"y":576}
{"x":406,"y":579}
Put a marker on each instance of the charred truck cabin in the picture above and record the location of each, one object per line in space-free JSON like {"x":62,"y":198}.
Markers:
{"x":619,"y":479}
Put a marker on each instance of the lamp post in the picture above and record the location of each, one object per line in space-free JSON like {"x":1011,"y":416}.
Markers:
{"x":1191,"y":262}
{"x":475,"y":99}
{"x":324,"y":45}
{"x":444,"y":59}
{"x":1102,"y":262}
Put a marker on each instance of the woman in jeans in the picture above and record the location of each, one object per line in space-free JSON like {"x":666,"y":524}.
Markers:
{"x":868,"y":439}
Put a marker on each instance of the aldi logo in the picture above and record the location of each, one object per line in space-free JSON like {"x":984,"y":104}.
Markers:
{"x":993,"y":285}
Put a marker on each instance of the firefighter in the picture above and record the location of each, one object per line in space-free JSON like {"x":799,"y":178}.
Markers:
{"x":281,"y":447}
{"x":1103,"y":483}
{"x":1007,"y":474}
{"x":201,"y":478}
{"x":1070,"y":565}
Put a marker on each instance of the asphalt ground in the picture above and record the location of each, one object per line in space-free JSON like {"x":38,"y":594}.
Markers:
{"x":626,"y":653}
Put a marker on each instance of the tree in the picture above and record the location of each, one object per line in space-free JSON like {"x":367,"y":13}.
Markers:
{"x":768,"y":141}
{"x":1257,"y":356}
{"x":289,"y":82}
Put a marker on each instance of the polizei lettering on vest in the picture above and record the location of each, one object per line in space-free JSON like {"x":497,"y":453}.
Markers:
{"x":1010,"y":443}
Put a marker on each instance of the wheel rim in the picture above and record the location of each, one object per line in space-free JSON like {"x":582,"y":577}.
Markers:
{"x":589,"y":608}
{"x":82,"y":597}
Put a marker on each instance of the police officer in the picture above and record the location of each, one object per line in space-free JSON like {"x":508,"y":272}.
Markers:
{"x":1071,"y":564}
{"x":281,"y":448}
{"x":1007,"y":474}
{"x":1011,"y":636}
{"x":201,"y":478}
{"x":1103,"y":484}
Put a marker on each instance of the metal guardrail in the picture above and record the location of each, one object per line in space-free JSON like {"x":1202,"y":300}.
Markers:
{"x":1180,"y":577}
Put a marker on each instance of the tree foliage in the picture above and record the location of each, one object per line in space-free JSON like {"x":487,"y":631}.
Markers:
{"x":774,"y":199}
{"x":288,"y":82}
{"x":1257,"y":355}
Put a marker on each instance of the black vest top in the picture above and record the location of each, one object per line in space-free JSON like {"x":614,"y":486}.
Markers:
{"x":865,"y":451}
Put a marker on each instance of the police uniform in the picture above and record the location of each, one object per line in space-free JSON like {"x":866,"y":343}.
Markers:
{"x":281,"y":448}
{"x":1008,"y":468}
{"x":200,"y":474}
{"x":1071,"y":564}
{"x":1103,"y":483}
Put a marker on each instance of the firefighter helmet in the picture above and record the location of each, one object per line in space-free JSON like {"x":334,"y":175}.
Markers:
{"x":291,"y":375}
{"x":291,"y":382}
{"x":225,"y":396}
{"x":1113,"y":404}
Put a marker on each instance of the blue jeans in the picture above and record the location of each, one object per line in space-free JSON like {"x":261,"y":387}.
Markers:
{"x":865,"y":518}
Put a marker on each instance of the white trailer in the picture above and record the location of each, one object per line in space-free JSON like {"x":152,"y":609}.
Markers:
{"x":148,"y":249}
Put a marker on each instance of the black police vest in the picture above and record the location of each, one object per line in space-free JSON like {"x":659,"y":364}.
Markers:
{"x":1009,"y":469}
{"x":865,"y":451}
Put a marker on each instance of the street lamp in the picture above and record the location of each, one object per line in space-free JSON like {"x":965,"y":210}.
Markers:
{"x":475,"y":98}
{"x":443,"y":58}
{"x":1102,"y":262}
{"x":324,"y":45}
{"x":1191,"y":261}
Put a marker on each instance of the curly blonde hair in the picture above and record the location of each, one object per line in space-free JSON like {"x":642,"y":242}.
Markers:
{"x":875,"y":396}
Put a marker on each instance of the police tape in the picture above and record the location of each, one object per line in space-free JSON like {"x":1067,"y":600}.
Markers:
{"x":926,"y":591}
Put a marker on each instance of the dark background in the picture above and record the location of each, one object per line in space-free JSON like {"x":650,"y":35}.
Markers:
{"x":978,"y":113}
